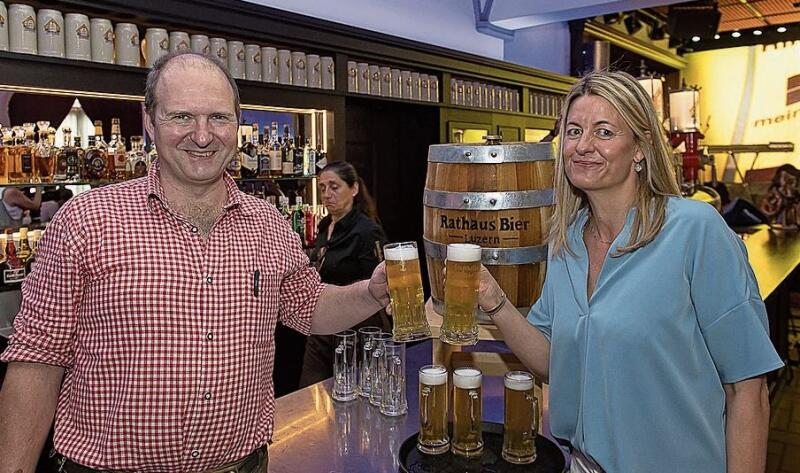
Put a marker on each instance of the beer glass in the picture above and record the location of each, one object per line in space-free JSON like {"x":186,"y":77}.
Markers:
{"x":344,"y":366}
{"x":50,"y":32}
{"x":366,"y":344}
{"x":461,"y":294}
{"x":405,"y":290}
{"x":467,"y":410}
{"x":521,"y":418}
{"x":433,"y":437}
{"x":236,"y":59}
{"x":77,"y":32}
{"x":377,"y":369}
{"x":393,"y":399}
{"x":102,"y":40}
{"x":3,"y":27}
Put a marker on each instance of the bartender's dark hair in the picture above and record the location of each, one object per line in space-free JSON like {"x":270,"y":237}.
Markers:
{"x":158,"y":68}
{"x":348,"y":174}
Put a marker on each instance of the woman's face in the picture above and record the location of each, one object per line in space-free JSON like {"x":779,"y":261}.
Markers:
{"x":599,"y":148}
{"x":336,"y":195}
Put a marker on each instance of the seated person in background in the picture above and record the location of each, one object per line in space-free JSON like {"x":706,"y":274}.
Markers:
{"x":345,"y":252}
{"x":782,"y":201}
{"x":15,"y":203}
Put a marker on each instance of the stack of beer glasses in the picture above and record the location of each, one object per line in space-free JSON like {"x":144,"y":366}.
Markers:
{"x":461,"y":294}
{"x":377,"y":375}
{"x":405,"y":289}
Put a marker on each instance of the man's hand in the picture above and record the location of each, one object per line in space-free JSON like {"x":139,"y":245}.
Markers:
{"x":379,"y":286}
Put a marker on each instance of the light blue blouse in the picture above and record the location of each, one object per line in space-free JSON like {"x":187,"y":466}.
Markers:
{"x":636,"y":372}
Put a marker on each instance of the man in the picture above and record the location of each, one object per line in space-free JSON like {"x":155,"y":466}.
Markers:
{"x":156,"y":301}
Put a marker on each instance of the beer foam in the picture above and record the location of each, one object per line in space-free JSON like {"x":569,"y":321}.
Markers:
{"x":433,"y":375}
{"x":518,"y":382}
{"x":467,"y":378}
{"x":400,"y":253}
{"x":463,"y":252}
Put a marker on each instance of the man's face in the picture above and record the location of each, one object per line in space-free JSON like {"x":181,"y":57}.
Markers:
{"x":195,"y":123}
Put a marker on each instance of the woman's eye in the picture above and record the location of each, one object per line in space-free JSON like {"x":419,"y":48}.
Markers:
{"x":573,"y":132}
{"x":604,"y":133}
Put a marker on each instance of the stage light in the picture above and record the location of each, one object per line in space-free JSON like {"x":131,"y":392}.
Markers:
{"x":781,"y":29}
{"x":612,"y":18}
{"x":656,"y":32}
{"x":632,"y":24}
{"x":695,"y":39}
{"x":736,"y":34}
{"x":716,"y":36}
{"x":757,"y":32}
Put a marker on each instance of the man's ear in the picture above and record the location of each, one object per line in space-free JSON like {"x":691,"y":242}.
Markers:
{"x":149,"y":126}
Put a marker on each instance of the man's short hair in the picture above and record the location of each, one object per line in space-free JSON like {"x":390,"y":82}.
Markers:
{"x":154,"y":76}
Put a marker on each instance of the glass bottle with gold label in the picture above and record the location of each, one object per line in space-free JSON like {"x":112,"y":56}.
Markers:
{"x":42,"y":155}
{"x":137,"y":159}
{"x":21,"y":170}
{"x":95,"y":164}
{"x":117,"y":151}
{"x":60,"y":168}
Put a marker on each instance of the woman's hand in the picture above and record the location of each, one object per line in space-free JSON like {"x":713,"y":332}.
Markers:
{"x":490,"y":295}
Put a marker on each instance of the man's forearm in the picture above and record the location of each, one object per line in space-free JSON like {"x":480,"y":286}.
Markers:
{"x":27,"y":405}
{"x":747,"y":425}
{"x":341,"y":307}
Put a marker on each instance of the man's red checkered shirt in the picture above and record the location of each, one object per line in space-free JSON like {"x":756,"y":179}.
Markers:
{"x":167,"y":339}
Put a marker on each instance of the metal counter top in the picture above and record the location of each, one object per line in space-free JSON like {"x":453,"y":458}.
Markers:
{"x":315,"y":434}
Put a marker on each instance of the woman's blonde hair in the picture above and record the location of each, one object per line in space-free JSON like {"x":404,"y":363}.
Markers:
{"x":656,"y":180}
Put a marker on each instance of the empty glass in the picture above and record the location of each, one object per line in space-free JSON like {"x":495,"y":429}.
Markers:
{"x":377,"y":369}
{"x":366,"y":344}
{"x":344,"y":366}
{"x":393,"y":400}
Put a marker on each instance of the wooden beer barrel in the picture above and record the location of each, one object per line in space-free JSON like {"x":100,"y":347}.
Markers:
{"x":496,"y":195}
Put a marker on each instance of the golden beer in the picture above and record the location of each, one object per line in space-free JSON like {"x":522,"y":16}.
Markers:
{"x":467,"y":410}
{"x":461,"y":294}
{"x":521,"y":418}
{"x":433,"y":437}
{"x":405,"y":290}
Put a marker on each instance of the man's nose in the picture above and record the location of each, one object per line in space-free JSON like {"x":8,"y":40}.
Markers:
{"x":201,"y":135}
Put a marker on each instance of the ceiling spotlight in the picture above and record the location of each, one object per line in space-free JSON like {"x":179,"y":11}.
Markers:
{"x":757,"y":32}
{"x":632,"y":24}
{"x":695,"y":39}
{"x":781,"y":29}
{"x":736,"y":34}
{"x":716,"y":36}
{"x":612,"y":18}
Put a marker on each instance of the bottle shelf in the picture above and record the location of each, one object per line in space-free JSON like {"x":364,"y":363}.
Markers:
{"x":107,"y":182}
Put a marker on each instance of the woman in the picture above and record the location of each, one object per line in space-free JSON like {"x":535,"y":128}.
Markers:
{"x":347,"y":250}
{"x":650,"y":328}
{"x":15,"y":203}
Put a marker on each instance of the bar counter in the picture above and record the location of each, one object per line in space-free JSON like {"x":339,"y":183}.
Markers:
{"x":314,"y":433}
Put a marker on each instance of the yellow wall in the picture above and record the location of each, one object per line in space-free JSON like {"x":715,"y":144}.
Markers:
{"x":762,"y":109}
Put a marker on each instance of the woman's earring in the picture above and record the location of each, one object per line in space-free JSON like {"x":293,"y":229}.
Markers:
{"x":638,"y":167}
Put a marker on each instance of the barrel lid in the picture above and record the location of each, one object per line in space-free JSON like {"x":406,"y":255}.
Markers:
{"x":492,"y":153}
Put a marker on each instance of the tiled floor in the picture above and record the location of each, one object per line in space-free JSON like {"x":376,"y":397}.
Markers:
{"x":783,"y":451}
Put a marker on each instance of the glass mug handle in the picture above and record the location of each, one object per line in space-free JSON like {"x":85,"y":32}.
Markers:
{"x":426,"y":392}
{"x":535,"y":412}
{"x":338,"y":362}
{"x":473,"y":399}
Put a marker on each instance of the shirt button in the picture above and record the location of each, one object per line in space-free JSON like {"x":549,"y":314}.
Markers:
{"x":207,"y":396}
{"x":209,"y":279}
{"x":195,"y":453}
{"x":210,"y":335}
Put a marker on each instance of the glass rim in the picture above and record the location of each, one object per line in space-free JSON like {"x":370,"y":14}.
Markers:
{"x":468,"y":368}
{"x":370,"y":329}
{"x":440,"y":368}
{"x":346,"y":333}
{"x":526,"y":374}
{"x":400,"y":244}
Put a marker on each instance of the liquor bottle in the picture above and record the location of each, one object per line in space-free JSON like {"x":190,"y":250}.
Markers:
{"x":13,"y":270}
{"x":275,"y":160}
{"x":287,"y":153}
{"x":43,"y":156}
{"x":311,"y":226}
{"x":117,"y":152}
{"x":263,"y":154}
{"x":24,"y":249}
{"x":309,"y":159}
{"x":249,"y":154}
{"x":6,"y":147}
{"x":136,"y":165}
{"x":76,"y":157}
{"x":300,"y":156}
{"x":298,"y":218}
{"x":235,"y":166}
{"x":21,"y":169}
{"x":95,"y":165}
{"x":60,"y":171}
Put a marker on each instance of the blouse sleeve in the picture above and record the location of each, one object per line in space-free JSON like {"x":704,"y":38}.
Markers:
{"x":541,"y":313}
{"x":729,"y":308}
